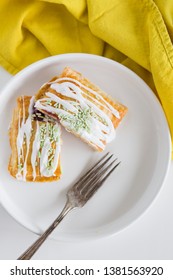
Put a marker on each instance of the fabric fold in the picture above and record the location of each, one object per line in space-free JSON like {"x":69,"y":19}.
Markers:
{"x":136,"y":33}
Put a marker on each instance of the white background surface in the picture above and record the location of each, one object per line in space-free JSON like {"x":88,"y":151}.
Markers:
{"x":150,"y":237}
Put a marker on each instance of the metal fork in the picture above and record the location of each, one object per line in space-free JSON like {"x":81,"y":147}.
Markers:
{"x":77,"y":196}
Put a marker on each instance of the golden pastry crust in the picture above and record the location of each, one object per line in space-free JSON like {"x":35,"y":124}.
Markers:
{"x":32,"y":173}
{"x":84,"y":84}
{"x":68,"y":72}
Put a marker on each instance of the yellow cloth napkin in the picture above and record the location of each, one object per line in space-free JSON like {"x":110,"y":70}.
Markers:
{"x":136,"y":33}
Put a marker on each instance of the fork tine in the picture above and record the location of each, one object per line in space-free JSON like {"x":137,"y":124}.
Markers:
{"x":109,"y":173}
{"x":90,"y":182}
{"x":98,"y":182}
{"x":93,"y":169}
{"x":97,"y":175}
{"x":92,"y":174}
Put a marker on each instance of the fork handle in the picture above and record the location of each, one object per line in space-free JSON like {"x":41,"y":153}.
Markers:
{"x":27,"y":255}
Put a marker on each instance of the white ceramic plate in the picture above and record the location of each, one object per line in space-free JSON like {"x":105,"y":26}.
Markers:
{"x":142,"y":144}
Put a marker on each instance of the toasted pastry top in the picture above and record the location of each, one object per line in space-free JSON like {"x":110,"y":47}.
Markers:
{"x":35,"y":145}
{"x":81,"y":107}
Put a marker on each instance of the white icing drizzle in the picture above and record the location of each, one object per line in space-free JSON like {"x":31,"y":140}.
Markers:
{"x":44,"y":154}
{"x":46,"y":134}
{"x":101,"y":126}
{"x":44,"y":157}
{"x":24,"y":135}
{"x":35,"y":150}
{"x":108,"y":106}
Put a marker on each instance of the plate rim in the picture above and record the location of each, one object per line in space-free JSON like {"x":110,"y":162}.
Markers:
{"x":46,"y":61}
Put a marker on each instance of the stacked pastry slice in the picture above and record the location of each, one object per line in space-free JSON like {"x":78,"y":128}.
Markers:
{"x":81,"y":107}
{"x":70,"y":100}
{"x":35,"y":144}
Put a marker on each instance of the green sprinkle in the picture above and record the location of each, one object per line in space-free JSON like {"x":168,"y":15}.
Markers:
{"x":52,"y":156}
{"x":33,"y":116}
{"x":51,"y":131}
{"x":57,"y":105}
{"x":79,"y":121}
{"x":99,"y":118}
{"x":98,"y":97}
{"x":20,"y":166}
{"x":42,"y":134}
{"x":104,"y":122}
{"x":48,"y":102}
{"x":39,"y":154}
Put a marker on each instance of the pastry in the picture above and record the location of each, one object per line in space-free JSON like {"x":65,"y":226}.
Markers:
{"x":81,"y":107}
{"x":35,"y":144}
